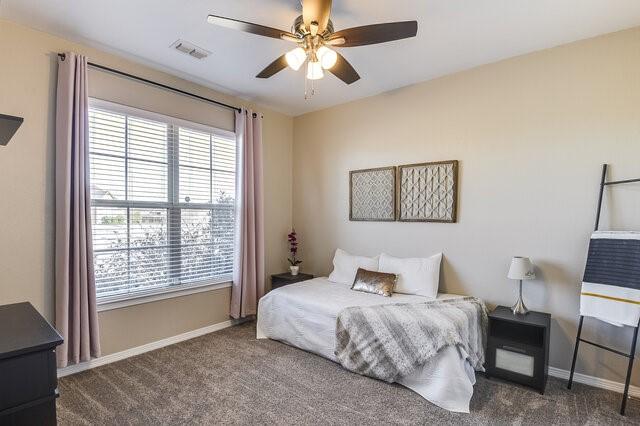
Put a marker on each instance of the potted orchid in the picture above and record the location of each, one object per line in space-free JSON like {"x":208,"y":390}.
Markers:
{"x":293,"y":249}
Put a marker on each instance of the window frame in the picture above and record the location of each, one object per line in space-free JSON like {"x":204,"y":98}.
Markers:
{"x":144,"y":296}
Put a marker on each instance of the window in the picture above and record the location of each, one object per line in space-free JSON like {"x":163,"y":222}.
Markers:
{"x":163,"y":202}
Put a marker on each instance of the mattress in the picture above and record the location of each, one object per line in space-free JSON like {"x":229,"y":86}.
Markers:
{"x":304,"y":315}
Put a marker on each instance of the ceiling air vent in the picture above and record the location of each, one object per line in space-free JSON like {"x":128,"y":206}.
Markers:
{"x":190,"y":49}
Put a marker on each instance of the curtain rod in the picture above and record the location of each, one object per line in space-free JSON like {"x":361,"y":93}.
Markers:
{"x":154,"y":83}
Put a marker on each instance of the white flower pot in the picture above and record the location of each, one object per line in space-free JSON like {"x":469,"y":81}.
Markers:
{"x":294,"y":270}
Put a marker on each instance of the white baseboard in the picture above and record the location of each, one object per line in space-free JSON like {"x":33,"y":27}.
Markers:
{"x":118,"y":356}
{"x":596,"y":382}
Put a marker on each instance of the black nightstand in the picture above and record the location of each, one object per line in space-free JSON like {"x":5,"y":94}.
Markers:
{"x":518,"y":347}
{"x":280,"y":280}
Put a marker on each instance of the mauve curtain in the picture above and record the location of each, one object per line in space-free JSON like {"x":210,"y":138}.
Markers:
{"x":248,"y":271}
{"x":76,"y":315}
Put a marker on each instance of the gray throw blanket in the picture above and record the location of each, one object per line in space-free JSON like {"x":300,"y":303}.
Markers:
{"x":391,"y":341}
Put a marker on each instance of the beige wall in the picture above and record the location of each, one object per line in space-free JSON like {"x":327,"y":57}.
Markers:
{"x":531,"y":134}
{"x":131,"y":326}
{"x":27,"y":89}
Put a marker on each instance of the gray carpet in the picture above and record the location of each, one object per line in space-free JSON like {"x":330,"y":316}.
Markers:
{"x":229,"y":377}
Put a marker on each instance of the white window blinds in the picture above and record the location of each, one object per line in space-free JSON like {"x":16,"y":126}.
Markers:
{"x":163,"y":198}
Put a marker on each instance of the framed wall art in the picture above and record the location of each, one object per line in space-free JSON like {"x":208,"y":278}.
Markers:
{"x":372,"y":194}
{"x":428,"y":192}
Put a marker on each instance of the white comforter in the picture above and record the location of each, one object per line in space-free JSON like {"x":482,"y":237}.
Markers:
{"x":304,"y":315}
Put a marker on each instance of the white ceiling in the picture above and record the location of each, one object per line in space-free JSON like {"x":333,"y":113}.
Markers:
{"x":453,"y":35}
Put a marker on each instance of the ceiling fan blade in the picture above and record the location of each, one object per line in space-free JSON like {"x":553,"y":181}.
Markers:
{"x":248,"y":27}
{"x":318,"y":11}
{"x":344,"y":71}
{"x":273,"y":68}
{"x":377,"y":33}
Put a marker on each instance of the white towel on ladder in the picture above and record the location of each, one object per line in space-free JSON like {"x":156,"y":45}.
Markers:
{"x":611,"y":283}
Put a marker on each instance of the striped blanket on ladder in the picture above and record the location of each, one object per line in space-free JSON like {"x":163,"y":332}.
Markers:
{"x":611,"y":283}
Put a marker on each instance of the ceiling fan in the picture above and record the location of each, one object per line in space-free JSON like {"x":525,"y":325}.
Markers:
{"x":314,"y":34}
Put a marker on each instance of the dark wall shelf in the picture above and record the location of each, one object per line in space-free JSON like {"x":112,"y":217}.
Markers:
{"x":8,"y":127}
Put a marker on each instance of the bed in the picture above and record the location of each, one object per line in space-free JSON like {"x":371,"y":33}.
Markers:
{"x":304,"y":315}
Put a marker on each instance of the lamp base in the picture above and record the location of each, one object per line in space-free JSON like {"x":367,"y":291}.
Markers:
{"x":519,"y":308}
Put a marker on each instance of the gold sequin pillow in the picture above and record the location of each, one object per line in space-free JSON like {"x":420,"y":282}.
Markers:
{"x":380,"y":283}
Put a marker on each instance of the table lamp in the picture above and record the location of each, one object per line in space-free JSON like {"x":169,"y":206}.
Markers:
{"x":521,"y":269}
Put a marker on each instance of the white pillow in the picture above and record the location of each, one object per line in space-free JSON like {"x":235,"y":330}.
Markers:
{"x":419,"y":276}
{"x":346,"y":265}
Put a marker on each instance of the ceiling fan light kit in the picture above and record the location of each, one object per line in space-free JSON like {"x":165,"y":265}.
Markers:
{"x":311,"y":49}
{"x":314,"y":34}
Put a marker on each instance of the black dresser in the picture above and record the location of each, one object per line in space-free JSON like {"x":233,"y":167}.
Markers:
{"x":28,"y":378}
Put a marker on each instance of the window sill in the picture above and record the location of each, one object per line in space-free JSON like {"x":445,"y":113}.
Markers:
{"x":158,"y":294}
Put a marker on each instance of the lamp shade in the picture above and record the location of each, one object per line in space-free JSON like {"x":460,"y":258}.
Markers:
{"x":521,"y":269}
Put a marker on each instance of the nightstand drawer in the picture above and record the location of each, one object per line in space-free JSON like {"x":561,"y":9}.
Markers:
{"x":524,"y":365}
{"x":515,"y":361}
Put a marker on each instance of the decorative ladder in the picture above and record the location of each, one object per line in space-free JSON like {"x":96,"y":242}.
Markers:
{"x":631,"y":354}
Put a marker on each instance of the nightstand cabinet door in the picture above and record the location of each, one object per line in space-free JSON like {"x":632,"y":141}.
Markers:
{"x":517,"y":363}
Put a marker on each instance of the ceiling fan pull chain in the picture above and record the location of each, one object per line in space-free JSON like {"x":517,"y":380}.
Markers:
{"x":306,"y":88}
{"x":308,"y":94}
